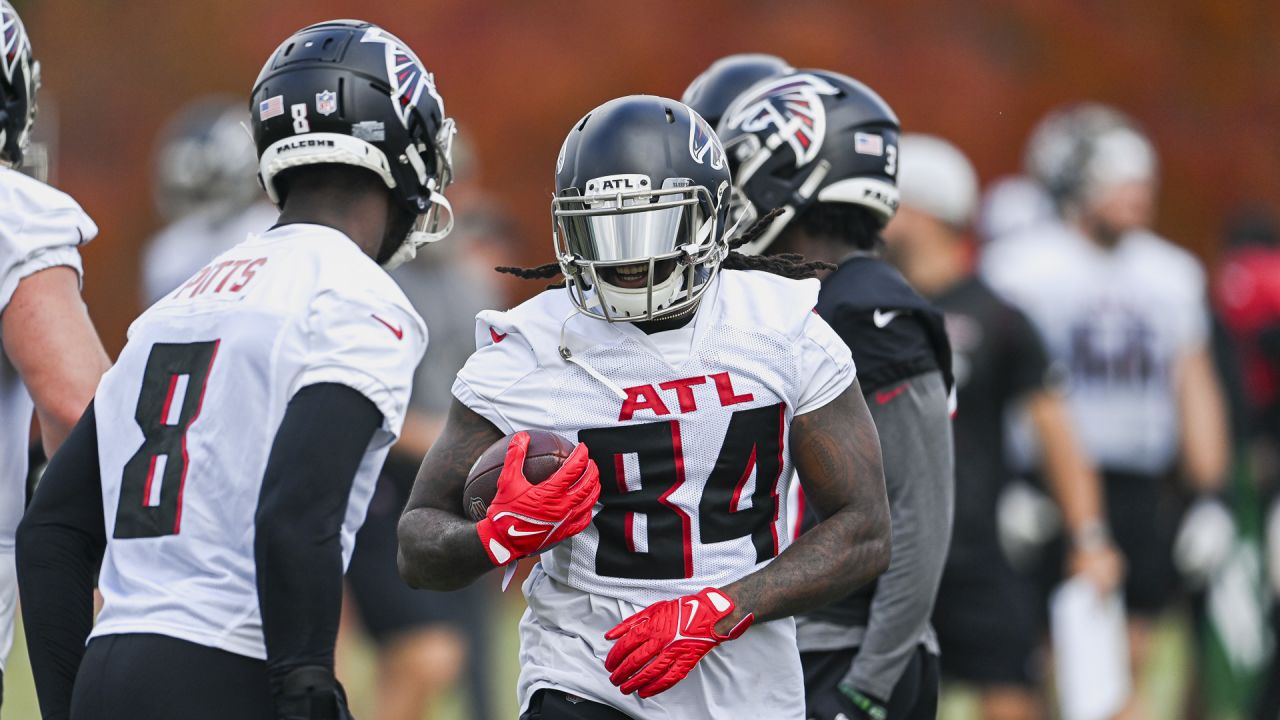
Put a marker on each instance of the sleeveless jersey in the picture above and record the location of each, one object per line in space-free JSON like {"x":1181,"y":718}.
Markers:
{"x":689,"y":427}
{"x":187,"y":416}
{"x":40,"y":228}
{"x":1116,"y":321}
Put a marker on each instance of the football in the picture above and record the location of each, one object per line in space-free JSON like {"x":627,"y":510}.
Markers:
{"x":547,"y":452}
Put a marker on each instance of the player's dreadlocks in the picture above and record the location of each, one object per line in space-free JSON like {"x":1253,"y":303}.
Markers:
{"x":788,"y":265}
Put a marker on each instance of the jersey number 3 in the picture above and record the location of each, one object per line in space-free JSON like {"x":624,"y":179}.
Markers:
{"x":172,"y":392}
{"x":753,"y":442}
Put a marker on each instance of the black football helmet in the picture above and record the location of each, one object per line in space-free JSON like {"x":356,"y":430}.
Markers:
{"x":204,"y":159}
{"x":349,"y":92}
{"x":810,"y":136}
{"x":642,"y":195}
{"x":19,"y":82}
{"x":711,"y":92}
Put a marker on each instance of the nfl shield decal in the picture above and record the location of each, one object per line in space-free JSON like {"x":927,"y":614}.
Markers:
{"x":326,"y":102}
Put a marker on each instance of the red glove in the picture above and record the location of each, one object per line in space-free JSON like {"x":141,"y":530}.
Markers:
{"x":524,"y":519}
{"x":659,"y":645}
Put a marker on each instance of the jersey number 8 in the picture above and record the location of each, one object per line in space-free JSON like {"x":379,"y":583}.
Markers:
{"x":151,"y":486}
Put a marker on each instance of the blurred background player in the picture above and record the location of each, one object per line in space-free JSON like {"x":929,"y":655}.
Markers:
{"x":822,"y":149}
{"x":204,"y":187}
{"x":50,"y":355}
{"x":987,"y":614}
{"x":1124,"y":312}
{"x":237,"y":442}
{"x":682,"y":582}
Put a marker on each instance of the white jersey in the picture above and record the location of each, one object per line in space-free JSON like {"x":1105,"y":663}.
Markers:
{"x":40,"y":228}
{"x":187,"y":416}
{"x":1116,"y":321}
{"x":688,"y":427}
{"x":179,"y":250}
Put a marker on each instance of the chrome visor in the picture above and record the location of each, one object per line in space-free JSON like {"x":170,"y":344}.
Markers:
{"x":629,"y":227}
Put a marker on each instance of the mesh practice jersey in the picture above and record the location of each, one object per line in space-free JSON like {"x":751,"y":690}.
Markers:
{"x":187,"y":417}
{"x":40,"y":228}
{"x":689,"y":427}
{"x":1116,"y":320}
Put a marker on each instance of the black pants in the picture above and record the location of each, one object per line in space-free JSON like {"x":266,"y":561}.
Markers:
{"x":915,"y":697}
{"x":156,"y":677}
{"x":555,"y":705}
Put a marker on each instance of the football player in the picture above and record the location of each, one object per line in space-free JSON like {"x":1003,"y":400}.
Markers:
{"x":227,"y":460}
{"x":50,"y":355}
{"x":987,"y":614}
{"x":697,"y":383}
{"x":1124,"y":312}
{"x":821,"y":150}
{"x":205,"y":188}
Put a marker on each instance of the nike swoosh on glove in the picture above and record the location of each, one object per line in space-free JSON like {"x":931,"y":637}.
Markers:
{"x":524,"y":519}
{"x":658,"y":646}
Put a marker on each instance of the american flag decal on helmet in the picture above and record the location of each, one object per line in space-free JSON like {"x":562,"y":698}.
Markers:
{"x":793,"y":105}
{"x":15,"y":39}
{"x":405,"y":73}
{"x":704,"y":146}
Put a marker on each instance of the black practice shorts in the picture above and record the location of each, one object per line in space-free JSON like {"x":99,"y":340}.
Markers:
{"x":1143,"y":512}
{"x":555,"y":705}
{"x":385,"y":604}
{"x":915,"y":697}
{"x":988,"y":621}
{"x":156,"y":677}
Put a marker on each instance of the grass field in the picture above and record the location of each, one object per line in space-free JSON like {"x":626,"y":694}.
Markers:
{"x":1163,"y":689}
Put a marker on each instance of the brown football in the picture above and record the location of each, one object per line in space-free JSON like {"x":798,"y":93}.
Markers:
{"x":547,"y":452}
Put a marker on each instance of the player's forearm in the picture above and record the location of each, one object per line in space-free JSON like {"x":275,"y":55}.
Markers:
{"x":1202,"y":411}
{"x":439,"y":550}
{"x":1072,"y":480}
{"x":299,"y":596}
{"x":840,"y":554}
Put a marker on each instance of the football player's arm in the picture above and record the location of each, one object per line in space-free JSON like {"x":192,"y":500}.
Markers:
{"x":915,"y":439}
{"x":317,"y":451}
{"x":50,"y":339}
{"x":1203,"y":420}
{"x":837,"y":451}
{"x":59,"y":547}
{"x":439,"y":547}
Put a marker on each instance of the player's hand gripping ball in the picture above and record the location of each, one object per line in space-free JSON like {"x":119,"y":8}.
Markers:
{"x":540,"y":494}
{"x":658,"y":646}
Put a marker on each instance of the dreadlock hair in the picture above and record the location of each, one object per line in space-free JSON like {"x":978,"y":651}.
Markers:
{"x":788,"y":265}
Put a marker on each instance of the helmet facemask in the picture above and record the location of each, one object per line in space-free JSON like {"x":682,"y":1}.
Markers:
{"x":434,"y":220}
{"x":639,"y":255}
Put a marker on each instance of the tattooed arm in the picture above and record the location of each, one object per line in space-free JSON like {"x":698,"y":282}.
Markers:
{"x":439,"y":547}
{"x":836,"y":450}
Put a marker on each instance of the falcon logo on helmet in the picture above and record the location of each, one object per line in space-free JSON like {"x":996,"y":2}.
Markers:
{"x":704,"y":146}
{"x":15,"y":39}
{"x":793,"y":105}
{"x":405,"y":73}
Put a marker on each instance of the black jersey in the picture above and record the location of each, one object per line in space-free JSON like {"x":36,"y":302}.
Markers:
{"x":998,"y":358}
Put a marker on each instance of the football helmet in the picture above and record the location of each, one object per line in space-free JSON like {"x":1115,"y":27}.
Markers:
{"x":1082,"y":148}
{"x":711,"y":92}
{"x":205,"y":158}
{"x":18,"y":85}
{"x":810,"y":136}
{"x":642,"y":196}
{"x":937,"y":179}
{"x":351,"y":93}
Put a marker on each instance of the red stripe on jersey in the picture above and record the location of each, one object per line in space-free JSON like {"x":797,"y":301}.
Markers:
{"x":629,"y":529}
{"x":151,"y":474}
{"x":628,"y":525}
{"x":177,"y":521}
{"x":686,"y":524}
{"x":168,"y":400}
{"x":742,"y":482}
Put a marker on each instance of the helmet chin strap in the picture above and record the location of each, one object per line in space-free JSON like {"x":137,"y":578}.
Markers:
{"x":419,"y":235}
